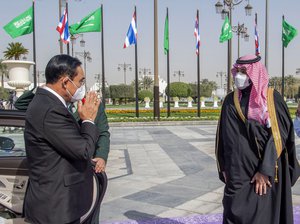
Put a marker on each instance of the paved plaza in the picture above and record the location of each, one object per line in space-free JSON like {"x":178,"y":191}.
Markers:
{"x":164,"y":171}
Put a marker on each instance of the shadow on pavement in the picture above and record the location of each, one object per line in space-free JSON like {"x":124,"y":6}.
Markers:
{"x":144,"y":218}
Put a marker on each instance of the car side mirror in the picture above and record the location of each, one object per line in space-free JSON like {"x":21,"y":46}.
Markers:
{"x":6,"y":143}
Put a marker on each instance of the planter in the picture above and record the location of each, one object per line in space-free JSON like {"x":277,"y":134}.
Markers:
{"x":190,"y":104}
{"x":176,"y":103}
{"x":161,"y":104}
{"x":215,"y":104}
{"x":18,"y":72}
{"x":147,"y":104}
{"x":202,"y":104}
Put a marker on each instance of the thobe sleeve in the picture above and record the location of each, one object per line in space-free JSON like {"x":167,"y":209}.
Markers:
{"x":103,"y":143}
{"x":219,"y":147}
{"x":267,"y":163}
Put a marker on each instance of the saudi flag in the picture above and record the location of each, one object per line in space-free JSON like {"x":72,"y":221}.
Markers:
{"x":226,"y":33}
{"x":166,"y":35}
{"x":21,"y":25}
{"x":288,"y":33}
{"x":90,"y":23}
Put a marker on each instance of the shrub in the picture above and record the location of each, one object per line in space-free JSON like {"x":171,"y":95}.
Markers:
{"x":179,"y":89}
{"x":121,"y":92}
{"x":145,"y":93}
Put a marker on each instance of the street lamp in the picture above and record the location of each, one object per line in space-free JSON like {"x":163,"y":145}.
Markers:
{"x":97,"y":78}
{"x":229,"y":4}
{"x":179,"y":73}
{"x":221,"y":75}
{"x":240,"y":30}
{"x":145,"y":72}
{"x":86,"y":57}
{"x":224,"y":9}
{"x":124,"y":67}
{"x":73,"y":41}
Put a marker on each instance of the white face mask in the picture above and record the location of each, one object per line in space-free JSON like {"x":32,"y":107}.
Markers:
{"x":241,"y":80}
{"x":79,"y":94}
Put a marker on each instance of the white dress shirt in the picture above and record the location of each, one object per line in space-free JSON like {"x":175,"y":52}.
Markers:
{"x":62,"y":100}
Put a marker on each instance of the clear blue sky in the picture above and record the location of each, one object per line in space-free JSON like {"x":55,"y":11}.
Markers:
{"x":117,"y":16}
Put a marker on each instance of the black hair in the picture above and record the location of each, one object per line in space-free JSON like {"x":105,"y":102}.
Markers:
{"x":60,"y":65}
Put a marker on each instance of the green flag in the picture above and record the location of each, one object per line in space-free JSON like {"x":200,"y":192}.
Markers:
{"x":21,"y":25}
{"x":226,"y":31}
{"x":288,"y":33}
{"x":166,"y":36}
{"x":90,"y":23}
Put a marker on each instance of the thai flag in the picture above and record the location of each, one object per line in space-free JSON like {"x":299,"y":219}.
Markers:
{"x":63,"y":28}
{"x":257,"y":48}
{"x":197,"y":35}
{"x":132,"y":33}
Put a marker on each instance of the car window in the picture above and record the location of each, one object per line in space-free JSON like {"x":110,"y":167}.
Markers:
{"x":12,"y":141}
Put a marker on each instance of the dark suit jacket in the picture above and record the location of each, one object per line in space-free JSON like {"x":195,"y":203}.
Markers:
{"x":59,"y":153}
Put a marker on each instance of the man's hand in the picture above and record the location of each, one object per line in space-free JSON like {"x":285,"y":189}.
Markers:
{"x":261,"y":183}
{"x":100,"y":164}
{"x":88,"y":110}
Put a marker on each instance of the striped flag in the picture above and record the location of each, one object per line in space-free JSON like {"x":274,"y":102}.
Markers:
{"x":257,"y":47}
{"x":132,"y":33}
{"x":63,"y":28}
{"x":197,"y":35}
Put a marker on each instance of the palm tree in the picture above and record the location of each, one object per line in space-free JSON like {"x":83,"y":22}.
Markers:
{"x":3,"y":72}
{"x":147,"y":82}
{"x":15,"y":50}
{"x":290,"y":82}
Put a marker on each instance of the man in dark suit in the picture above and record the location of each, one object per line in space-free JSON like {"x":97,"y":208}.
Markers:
{"x":58,"y":150}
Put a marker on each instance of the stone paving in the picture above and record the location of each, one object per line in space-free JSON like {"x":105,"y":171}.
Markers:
{"x":164,"y":172}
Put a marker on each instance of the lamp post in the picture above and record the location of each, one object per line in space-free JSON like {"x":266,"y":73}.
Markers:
{"x":86,"y":57}
{"x":73,"y":41}
{"x":145,"y":72}
{"x":97,"y":78}
{"x":124,"y":67}
{"x":224,"y":9}
{"x":221,"y":75}
{"x":179,"y":73}
{"x":39,"y":74}
{"x":240,"y":30}
{"x":146,"y":79}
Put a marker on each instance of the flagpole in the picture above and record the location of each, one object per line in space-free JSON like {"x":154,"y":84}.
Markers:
{"x":266,"y":34}
{"x":67,"y":10}
{"x":282,"y":78}
{"x":59,"y":11}
{"x":255,"y":20}
{"x":229,"y":79}
{"x":34,"y":49}
{"x":102,"y":50}
{"x":136,"y":73}
{"x":156,"y":80}
{"x":168,"y":72}
{"x":198,"y":72}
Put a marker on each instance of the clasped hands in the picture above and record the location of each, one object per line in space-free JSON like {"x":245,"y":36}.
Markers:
{"x":89,"y":110}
